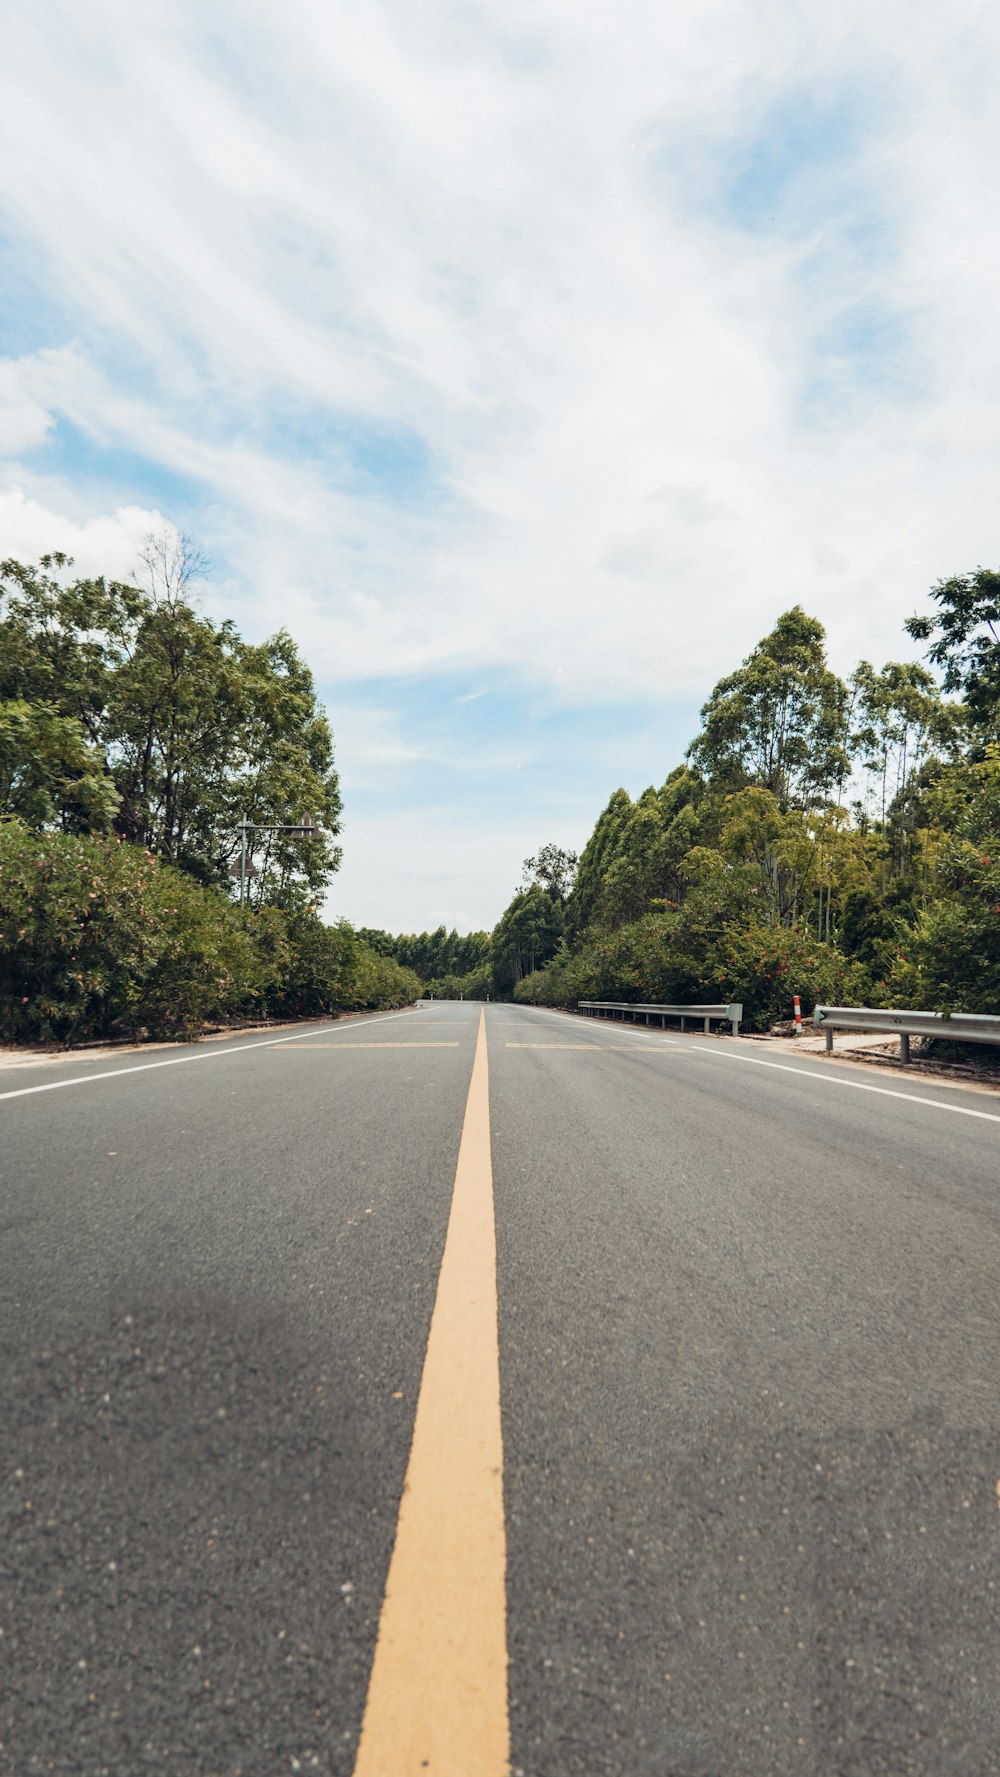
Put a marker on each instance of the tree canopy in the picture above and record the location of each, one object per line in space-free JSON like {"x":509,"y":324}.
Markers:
{"x":124,"y":709}
{"x":781,"y":721}
{"x":964,"y":633}
{"x":828,"y":838}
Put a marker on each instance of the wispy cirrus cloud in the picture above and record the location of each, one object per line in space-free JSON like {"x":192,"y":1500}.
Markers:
{"x":502,"y":346}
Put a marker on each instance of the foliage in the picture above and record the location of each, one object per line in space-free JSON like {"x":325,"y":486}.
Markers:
{"x":49,"y":774}
{"x":527,"y":935}
{"x":781,"y":720}
{"x":964,"y":634}
{"x":431,"y":955}
{"x":122,"y":706}
{"x":902,"y":719}
{"x":100,"y":938}
{"x":377,"y":982}
{"x":705,"y":950}
{"x":584,"y":906}
{"x":745,"y":876}
{"x":552,"y":869}
{"x":951,"y":958}
{"x":476,"y":985}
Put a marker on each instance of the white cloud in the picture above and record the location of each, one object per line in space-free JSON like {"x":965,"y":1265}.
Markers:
{"x":108,"y":544}
{"x":25,"y":422}
{"x":476,"y":225}
{"x":645,"y":408}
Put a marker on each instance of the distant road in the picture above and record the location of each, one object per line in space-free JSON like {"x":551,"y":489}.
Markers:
{"x":708,"y":1442}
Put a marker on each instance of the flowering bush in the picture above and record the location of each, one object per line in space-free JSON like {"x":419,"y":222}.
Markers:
{"x":98,"y":938}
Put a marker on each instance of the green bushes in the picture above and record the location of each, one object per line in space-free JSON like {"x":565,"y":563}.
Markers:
{"x":476,"y":985}
{"x":700,"y":952}
{"x":765,"y":965}
{"x":98,"y":938}
{"x":377,"y":982}
{"x":950,"y":961}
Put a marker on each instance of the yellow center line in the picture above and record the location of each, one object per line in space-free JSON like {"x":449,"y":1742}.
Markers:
{"x":437,"y":1698}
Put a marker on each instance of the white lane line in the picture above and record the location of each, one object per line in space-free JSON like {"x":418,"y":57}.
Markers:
{"x":719,"y":1054}
{"x":959,"y":1110}
{"x":117,"y":1073}
{"x":641,"y":1030}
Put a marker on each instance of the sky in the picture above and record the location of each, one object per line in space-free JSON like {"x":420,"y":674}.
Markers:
{"x":525,"y":361}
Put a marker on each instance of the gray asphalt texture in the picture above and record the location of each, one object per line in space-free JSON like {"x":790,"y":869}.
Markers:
{"x":750,"y":1354}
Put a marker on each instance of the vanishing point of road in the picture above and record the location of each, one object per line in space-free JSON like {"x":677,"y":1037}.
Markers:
{"x":462,"y":1391}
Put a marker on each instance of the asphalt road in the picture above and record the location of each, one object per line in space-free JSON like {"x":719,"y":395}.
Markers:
{"x":749,"y":1352}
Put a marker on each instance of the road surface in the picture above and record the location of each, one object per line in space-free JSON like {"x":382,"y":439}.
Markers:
{"x":705,"y":1476}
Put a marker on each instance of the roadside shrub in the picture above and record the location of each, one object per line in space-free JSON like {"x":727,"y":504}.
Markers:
{"x":950,"y":962}
{"x":765,"y":965}
{"x":690,"y":955}
{"x":98,"y":938}
{"x":311,"y":965}
{"x":544,"y":987}
{"x":476,"y":985}
{"x":377,"y":982}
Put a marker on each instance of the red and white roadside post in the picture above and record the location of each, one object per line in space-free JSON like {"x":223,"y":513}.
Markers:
{"x":798,"y":1014}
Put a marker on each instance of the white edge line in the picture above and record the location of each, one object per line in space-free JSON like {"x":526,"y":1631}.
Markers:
{"x":936,"y":1104}
{"x":116,"y":1073}
{"x":958,"y":1110}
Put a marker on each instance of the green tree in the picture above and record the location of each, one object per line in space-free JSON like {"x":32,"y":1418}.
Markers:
{"x":188,"y":725}
{"x":598,"y":853}
{"x":781,"y":721}
{"x":49,"y":775}
{"x":951,"y":959}
{"x":964,"y":634}
{"x":553,"y":869}
{"x":526,"y":936}
{"x":434,"y":956}
{"x":61,"y":640}
{"x":902,"y":717}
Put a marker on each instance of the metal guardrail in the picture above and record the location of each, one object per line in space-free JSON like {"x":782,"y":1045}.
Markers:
{"x":627,"y":1008}
{"x":956,"y":1027}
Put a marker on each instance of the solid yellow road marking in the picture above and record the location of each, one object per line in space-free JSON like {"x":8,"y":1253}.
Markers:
{"x":437,"y":1700}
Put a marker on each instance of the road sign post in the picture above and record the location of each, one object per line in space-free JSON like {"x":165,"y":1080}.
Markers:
{"x":305,"y":828}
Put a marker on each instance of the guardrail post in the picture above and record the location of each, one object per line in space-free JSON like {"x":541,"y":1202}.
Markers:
{"x":904,"y":1045}
{"x":828,"y":1033}
{"x":708,"y":1024}
{"x":683,"y":1026}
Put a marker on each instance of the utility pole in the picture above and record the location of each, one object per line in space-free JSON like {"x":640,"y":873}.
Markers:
{"x":306,"y":828}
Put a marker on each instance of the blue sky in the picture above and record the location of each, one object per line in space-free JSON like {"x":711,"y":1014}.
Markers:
{"x":525,"y":364}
